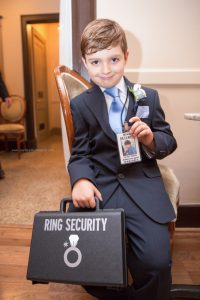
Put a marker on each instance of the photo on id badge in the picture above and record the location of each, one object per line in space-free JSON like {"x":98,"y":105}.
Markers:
{"x":128,"y":147}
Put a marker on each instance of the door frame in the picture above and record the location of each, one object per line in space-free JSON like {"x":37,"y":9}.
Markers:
{"x":28,"y":88}
{"x":34,"y":36}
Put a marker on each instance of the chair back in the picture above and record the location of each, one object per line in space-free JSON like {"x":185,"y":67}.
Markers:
{"x":70,"y":84}
{"x":172,"y":185}
{"x":14,"y":113}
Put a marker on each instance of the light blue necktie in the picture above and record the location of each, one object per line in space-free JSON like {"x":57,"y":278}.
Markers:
{"x":115,"y":111}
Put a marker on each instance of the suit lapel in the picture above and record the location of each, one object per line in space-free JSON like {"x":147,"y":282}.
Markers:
{"x":97,"y":105}
{"x":132,"y":107}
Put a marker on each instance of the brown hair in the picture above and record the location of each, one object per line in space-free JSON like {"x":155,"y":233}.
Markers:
{"x":100,"y":34}
{"x":127,"y":142}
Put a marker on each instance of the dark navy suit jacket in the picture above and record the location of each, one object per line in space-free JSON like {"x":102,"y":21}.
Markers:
{"x":95,"y":153}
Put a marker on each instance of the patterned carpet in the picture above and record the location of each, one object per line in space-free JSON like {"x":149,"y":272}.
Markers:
{"x":36,"y":182}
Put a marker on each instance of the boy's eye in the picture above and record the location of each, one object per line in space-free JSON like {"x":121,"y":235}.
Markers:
{"x":95,"y":62}
{"x":115,"y":59}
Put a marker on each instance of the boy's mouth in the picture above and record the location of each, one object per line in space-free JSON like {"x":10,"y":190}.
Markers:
{"x":106,"y":77}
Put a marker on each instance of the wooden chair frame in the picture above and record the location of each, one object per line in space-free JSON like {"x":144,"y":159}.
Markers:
{"x":64,"y":98}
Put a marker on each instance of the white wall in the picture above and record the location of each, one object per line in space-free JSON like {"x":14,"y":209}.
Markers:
{"x":11,"y":10}
{"x":65,"y":57}
{"x":52,"y":62}
{"x":164,"y":44}
{"x":161,"y":34}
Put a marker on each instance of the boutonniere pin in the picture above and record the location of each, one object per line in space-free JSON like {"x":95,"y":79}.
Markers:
{"x":137,"y":92}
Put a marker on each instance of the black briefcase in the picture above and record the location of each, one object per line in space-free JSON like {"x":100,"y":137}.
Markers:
{"x":86,"y":248}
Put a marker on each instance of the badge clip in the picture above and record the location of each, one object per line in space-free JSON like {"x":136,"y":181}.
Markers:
{"x":126,"y":127}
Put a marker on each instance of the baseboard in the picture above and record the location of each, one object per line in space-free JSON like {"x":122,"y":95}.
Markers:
{"x":188,"y":216}
{"x":12,"y":145}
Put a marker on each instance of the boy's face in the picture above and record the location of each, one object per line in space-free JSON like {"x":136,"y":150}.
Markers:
{"x":106,"y":67}
{"x":127,"y":146}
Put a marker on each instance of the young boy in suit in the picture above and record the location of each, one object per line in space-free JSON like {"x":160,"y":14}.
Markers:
{"x":95,"y":168}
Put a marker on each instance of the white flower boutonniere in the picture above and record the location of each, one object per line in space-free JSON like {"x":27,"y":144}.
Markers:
{"x":137,"y":92}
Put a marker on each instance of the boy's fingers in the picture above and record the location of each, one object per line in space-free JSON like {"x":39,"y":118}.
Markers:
{"x":75,"y":203}
{"x":87,"y":204}
{"x":136,"y":123}
{"x":98,"y":194}
{"x":80,"y":203}
{"x":92,"y":203}
{"x":134,"y":119}
{"x":84,"y":204}
{"x":140,"y":128}
{"x":86,"y":199}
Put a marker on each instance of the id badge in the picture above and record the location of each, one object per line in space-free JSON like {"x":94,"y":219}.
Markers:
{"x":128,"y":147}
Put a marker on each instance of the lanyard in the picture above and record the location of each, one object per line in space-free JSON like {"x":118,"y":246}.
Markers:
{"x":125,"y":126}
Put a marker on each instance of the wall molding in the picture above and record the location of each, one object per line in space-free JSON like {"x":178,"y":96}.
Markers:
{"x":184,"y":76}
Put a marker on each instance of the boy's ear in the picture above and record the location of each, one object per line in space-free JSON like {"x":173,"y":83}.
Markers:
{"x":83,"y":60}
{"x":126,"y":55}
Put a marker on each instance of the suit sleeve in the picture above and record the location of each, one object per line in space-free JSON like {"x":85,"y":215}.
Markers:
{"x":80,"y":163}
{"x":164,"y":140}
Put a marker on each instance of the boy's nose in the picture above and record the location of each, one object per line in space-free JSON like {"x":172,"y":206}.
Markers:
{"x":105,"y":69}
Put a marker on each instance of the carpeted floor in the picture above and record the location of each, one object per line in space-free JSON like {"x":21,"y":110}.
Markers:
{"x":36,"y":182}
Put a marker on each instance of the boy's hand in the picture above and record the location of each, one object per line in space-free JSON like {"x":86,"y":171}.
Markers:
{"x":83,"y":194}
{"x":143,"y":132}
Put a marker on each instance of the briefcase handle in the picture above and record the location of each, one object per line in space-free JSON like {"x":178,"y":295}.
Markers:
{"x":64,"y":201}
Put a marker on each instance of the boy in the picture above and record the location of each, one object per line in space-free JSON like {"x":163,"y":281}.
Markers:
{"x":128,"y":148}
{"x":95,"y":170}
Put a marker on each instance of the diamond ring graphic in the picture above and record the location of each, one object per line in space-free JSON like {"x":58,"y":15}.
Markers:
{"x":73,"y":243}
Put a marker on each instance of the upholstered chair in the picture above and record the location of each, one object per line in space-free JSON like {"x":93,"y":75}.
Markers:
{"x":13,"y":122}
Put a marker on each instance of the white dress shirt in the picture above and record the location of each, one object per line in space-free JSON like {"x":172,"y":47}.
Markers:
{"x":122,"y":94}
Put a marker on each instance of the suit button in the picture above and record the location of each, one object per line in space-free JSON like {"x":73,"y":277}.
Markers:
{"x":121,"y":176}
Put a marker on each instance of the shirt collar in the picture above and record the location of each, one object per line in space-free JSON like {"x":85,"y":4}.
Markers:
{"x":121,"y":86}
